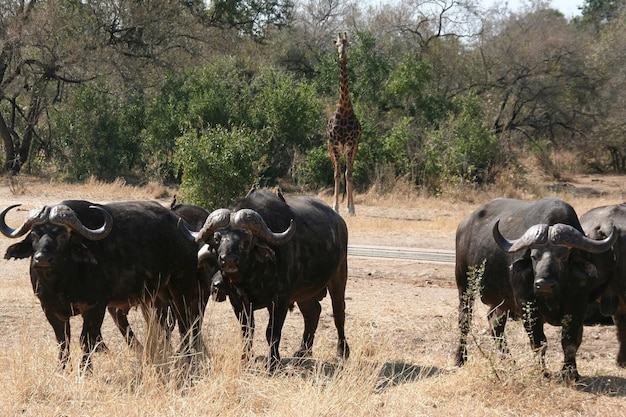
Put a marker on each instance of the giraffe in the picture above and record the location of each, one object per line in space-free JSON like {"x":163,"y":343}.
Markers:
{"x":343,"y":130}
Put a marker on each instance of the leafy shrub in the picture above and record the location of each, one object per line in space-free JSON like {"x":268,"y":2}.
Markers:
{"x":96,"y":135}
{"x":218,"y":164}
{"x":209,"y":96}
{"x":462,"y":149}
{"x":316,"y":171}
{"x":289,"y":112}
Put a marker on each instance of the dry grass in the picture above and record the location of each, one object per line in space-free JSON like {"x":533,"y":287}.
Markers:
{"x":401,"y":326}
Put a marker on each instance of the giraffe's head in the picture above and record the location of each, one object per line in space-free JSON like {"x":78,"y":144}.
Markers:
{"x":342,"y":44}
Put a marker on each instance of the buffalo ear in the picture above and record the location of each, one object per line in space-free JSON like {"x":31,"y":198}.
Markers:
{"x":584,"y":271}
{"x":263,"y":252}
{"x":521,"y":267}
{"x":81,"y":254}
{"x":521,"y":276}
{"x":20,"y":250}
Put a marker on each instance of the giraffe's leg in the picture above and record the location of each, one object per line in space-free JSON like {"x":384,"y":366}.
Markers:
{"x":349,"y":188}
{"x":335,"y":160}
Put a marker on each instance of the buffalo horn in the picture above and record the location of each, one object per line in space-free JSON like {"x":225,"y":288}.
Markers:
{"x":252,"y":221}
{"x":218,"y":219}
{"x":535,"y":235}
{"x":35,"y":216}
{"x":65,"y":216}
{"x":566,"y":235}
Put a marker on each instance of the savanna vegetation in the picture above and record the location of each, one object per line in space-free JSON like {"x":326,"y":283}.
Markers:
{"x":141,"y":99}
{"x":199,"y":94}
{"x":401,"y":325}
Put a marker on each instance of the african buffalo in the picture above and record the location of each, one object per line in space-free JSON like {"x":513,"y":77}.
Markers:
{"x":261,"y":268}
{"x":194,"y":217}
{"x":543,"y":276}
{"x":598,"y":223}
{"x":85,"y":257}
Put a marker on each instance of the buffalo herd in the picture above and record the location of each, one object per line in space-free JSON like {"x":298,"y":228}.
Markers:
{"x":535,"y":261}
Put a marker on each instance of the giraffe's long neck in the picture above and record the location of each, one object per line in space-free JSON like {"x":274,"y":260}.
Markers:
{"x":344,"y":93}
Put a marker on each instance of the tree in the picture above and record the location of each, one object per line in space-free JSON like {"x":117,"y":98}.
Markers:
{"x":252,"y":17}
{"x":536,"y":77}
{"x":97,"y":135}
{"x":462,"y":149}
{"x":35,"y":55}
{"x":49,"y":47}
{"x":597,"y":13}
{"x":605,"y":147}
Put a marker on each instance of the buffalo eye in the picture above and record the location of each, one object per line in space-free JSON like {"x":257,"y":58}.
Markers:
{"x":217,"y":237}
{"x":61,"y":233}
{"x":245,"y":241}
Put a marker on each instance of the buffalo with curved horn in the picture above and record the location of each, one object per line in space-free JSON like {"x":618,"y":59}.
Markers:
{"x":544,"y":274}
{"x":599,"y":223}
{"x":273,"y":251}
{"x":85,"y":257}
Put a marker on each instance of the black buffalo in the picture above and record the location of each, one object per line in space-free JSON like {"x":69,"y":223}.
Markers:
{"x":86,"y":257}
{"x":194,"y":218}
{"x":543,"y":276}
{"x":598,"y":223}
{"x":299,"y":263}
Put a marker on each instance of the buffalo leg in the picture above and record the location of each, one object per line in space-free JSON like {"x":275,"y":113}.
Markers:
{"x":497,"y":322}
{"x":337,"y":291}
{"x":245,"y":315}
{"x":571,"y":338}
{"x":91,"y":336}
{"x":120,"y":318}
{"x":277,"y":313}
{"x":189,"y":322}
{"x":311,"y":310}
{"x":466,"y":304}
{"x":620,"y":324}
{"x":62,"y":334}
{"x":534,"y":329}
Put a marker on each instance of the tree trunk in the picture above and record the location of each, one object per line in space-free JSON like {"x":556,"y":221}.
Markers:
{"x":10,"y":164}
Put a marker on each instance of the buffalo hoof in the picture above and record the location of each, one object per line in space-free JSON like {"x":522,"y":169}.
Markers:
{"x":570,"y":375}
{"x":459,"y":362}
{"x":343,"y":350}
{"x":303,"y":353}
{"x":101,"y":347}
{"x":86,"y":367}
{"x":273,"y":364}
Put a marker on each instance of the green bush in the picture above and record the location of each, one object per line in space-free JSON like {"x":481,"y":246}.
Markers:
{"x":399,"y":146}
{"x":289,"y":112}
{"x":209,"y":96}
{"x":97,"y":135}
{"x":316,"y":171}
{"x":218,"y":165}
{"x":462,"y":149}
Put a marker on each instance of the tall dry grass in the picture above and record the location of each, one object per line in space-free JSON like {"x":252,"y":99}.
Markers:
{"x":397,"y":368}
{"x":402,"y":338}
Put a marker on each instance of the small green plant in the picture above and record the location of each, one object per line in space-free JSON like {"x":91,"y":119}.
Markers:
{"x":530,"y":313}
{"x":474,"y":278}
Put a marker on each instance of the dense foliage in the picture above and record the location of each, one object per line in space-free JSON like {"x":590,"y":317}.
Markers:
{"x":215,"y":95}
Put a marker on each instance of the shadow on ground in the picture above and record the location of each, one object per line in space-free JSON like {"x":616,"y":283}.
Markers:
{"x":389,"y":374}
{"x":612,"y":386}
